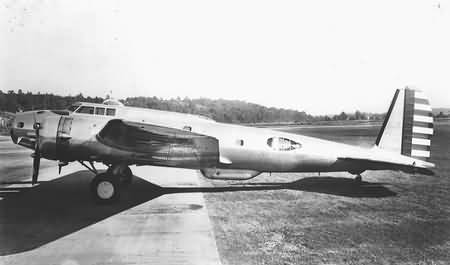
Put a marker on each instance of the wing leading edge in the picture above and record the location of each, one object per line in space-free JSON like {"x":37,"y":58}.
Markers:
{"x":157,"y":145}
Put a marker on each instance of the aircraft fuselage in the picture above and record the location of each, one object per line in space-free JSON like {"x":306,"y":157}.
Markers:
{"x":252,"y":150}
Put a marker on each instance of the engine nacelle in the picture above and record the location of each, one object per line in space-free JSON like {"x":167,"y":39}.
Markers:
{"x":229,"y":174}
{"x":60,"y":137}
{"x":25,"y":126}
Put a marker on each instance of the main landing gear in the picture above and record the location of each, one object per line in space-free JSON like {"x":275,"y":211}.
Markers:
{"x":106,"y":186}
{"x":358,"y":178}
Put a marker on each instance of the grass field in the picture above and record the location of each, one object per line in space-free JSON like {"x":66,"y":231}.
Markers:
{"x":393,"y":218}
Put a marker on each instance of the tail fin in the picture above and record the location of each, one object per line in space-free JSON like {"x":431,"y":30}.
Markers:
{"x":408,"y":126}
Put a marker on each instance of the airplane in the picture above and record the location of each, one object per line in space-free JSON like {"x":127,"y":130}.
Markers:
{"x":120,"y":136}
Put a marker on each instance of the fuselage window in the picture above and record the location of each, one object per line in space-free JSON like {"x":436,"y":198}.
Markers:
{"x":282,"y":144}
{"x":100,"y":111}
{"x":111,"y":112}
{"x":86,"y":110}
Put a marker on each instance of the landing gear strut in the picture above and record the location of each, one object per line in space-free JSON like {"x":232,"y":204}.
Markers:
{"x":123,"y":172}
{"x":106,"y":187}
{"x":358,"y":178}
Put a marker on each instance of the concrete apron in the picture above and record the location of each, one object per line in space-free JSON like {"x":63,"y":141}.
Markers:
{"x":169,"y":229}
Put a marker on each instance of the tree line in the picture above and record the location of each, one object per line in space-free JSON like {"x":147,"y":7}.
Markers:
{"x":237,"y":111}
{"x":12,"y":101}
{"x":229,"y":111}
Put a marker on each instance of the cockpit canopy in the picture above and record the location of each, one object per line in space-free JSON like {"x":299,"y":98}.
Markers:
{"x":92,"y":109}
{"x":74,"y":106}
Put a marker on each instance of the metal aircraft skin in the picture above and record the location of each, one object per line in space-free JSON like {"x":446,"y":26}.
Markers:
{"x":120,"y":136}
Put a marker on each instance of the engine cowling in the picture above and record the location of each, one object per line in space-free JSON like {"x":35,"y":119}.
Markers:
{"x":56,"y":139}
{"x":229,"y":174}
{"x":24,"y":127}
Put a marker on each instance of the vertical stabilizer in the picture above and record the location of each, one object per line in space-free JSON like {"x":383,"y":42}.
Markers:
{"x":408,"y":126}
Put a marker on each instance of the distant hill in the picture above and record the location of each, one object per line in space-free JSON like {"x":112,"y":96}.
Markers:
{"x":230,"y":111}
{"x":441,"y":112}
{"x":222,"y":110}
{"x":20,"y":101}
{"x":237,"y":111}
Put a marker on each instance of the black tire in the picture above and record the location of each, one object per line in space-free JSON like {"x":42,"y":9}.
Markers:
{"x":105,"y":188}
{"x":358,"y":179}
{"x":126,"y":176}
{"x":122,"y":172}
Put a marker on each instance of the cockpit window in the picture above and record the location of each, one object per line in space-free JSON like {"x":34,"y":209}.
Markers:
{"x":86,"y":110}
{"x":282,"y":144}
{"x":100,"y":111}
{"x":111,"y":112}
{"x":73,"y":108}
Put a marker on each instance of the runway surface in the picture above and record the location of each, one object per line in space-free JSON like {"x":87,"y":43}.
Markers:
{"x":56,"y":222}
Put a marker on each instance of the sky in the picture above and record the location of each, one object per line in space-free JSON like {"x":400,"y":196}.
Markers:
{"x":321,"y":57}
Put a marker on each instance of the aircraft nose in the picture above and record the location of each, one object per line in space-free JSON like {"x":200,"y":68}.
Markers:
{"x":23,"y":124}
{"x":23,"y":127}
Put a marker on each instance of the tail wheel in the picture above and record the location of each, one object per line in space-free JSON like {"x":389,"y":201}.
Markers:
{"x":105,"y":188}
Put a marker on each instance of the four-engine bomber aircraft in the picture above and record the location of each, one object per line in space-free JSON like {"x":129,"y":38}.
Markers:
{"x":120,"y":136}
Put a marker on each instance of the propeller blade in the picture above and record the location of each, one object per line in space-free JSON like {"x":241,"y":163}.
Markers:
{"x":36,"y":164}
{"x":37,"y":154}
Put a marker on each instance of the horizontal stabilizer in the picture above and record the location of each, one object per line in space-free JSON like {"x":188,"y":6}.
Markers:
{"x":382,"y":165}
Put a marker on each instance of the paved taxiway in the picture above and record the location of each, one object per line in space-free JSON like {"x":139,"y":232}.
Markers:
{"x":56,"y":222}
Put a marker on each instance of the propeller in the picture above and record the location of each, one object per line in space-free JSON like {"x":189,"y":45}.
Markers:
{"x":37,"y":154}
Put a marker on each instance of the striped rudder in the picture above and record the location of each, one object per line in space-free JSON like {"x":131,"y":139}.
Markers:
{"x":408,"y":126}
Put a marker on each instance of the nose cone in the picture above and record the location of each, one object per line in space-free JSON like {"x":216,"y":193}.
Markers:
{"x":23,"y":127}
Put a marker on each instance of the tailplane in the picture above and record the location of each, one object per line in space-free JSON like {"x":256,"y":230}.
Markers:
{"x":408,"y":126}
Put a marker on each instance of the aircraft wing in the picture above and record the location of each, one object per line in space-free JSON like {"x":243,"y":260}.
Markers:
{"x":157,"y":145}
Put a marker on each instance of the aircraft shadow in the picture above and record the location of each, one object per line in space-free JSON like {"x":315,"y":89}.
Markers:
{"x":36,"y":216}
{"x":334,"y":186}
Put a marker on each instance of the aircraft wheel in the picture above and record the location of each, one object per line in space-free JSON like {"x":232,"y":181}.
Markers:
{"x":105,"y":188}
{"x":358,"y":179}
{"x":123,"y":172}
